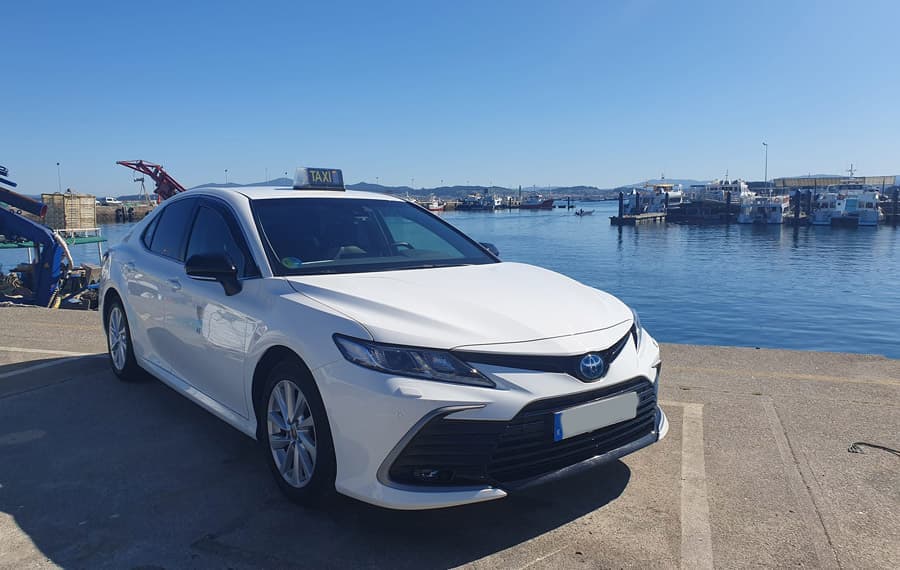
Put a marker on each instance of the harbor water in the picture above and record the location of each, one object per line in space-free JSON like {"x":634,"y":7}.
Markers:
{"x":807,"y":288}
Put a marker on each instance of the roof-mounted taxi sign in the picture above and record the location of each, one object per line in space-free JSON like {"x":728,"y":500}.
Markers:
{"x":318,"y":179}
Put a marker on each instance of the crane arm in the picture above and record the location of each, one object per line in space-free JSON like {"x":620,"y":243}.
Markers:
{"x":166,"y":186}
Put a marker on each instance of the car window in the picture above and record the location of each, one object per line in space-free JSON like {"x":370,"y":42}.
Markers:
{"x":151,"y":229}
{"x":211,"y":234}
{"x":171,"y":230}
{"x":335,"y":235}
{"x":406,"y":230}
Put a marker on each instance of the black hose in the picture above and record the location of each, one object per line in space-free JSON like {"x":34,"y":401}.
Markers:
{"x":856,"y":447}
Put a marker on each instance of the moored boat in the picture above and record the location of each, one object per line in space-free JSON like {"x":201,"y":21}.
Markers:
{"x":825,"y":208}
{"x":851,"y":203}
{"x":720,"y":190}
{"x":484,"y":202}
{"x":653,"y":198}
{"x":764,"y":210}
{"x":536,"y":202}
{"x":857,"y":209}
{"x":435,"y":205}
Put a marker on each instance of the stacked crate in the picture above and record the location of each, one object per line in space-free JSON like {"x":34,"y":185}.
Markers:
{"x":70,"y":211}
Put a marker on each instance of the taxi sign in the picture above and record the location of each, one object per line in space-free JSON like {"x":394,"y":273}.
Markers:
{"x":318,"y":179}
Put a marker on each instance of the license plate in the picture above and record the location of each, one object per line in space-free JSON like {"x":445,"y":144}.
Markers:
{"x":595,"y":415}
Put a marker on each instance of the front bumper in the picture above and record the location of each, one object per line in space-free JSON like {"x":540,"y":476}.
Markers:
{"x":452,"y":452}
{"x":391,"y":433}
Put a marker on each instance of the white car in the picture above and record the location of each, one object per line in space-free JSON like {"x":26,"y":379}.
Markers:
{"x":374,"y":349}
{"x":110,"y":201}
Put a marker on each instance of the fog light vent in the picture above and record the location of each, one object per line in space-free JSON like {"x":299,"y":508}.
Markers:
{"x":431,"y":475}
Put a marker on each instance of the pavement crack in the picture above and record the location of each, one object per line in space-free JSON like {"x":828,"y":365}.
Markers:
{"x":800,"y":487}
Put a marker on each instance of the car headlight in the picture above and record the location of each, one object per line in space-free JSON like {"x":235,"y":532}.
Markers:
{"x":637,"y":330}
{"x":410,"y":361}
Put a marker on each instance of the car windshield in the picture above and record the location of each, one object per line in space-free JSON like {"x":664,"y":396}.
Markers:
{"x":348,"y":235}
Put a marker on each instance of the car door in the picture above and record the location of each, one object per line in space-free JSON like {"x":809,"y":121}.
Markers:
{"x":148,"y":268}
{"x":214,"y":330}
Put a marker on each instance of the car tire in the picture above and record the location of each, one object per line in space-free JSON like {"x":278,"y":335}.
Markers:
{"x":295,"y":436}
{"x":119,"y":344}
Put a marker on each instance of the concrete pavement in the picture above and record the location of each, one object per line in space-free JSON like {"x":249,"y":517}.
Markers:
{"x":755,"y":471}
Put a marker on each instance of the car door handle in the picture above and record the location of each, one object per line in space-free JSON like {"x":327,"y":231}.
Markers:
{"x":175,"y":284}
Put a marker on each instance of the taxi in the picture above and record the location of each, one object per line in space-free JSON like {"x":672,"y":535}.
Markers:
{"x":373,"y":349}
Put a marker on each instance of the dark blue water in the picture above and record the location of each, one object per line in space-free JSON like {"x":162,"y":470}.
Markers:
{"x":810,"y":288}
{"x":769,"y":286}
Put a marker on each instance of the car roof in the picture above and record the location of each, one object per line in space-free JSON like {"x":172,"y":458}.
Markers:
{"x":268,"y":192}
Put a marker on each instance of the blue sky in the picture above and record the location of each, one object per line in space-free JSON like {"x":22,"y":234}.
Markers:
{"x":502,"y":92}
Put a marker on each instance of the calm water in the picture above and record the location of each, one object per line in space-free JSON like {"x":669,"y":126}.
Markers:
{"x":812,"y":288}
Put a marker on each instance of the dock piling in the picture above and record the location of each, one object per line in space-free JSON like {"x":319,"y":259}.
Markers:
{"x":727,"y":208}
{"x":622,"y":204}
{"x":895,"y":209}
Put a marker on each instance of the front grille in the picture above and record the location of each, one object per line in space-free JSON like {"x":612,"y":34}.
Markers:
{"x":544,"y":363}
{"x":462,"y":452}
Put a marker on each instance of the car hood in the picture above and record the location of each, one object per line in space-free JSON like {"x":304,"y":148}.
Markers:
{"x":454,"y":307}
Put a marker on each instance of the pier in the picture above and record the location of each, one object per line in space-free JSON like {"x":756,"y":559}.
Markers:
{"x":635,"y":219}
{"x":755,"y":471}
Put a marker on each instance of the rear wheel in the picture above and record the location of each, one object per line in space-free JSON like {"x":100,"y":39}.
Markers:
{"x":118,"y":341}
{"x":295,"y":435}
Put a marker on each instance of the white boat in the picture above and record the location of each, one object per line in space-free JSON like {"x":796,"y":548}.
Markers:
{"x":653,"y":198}
{"x":764,"y":210}
{"x":824,"y":209}
{"x":850,"y":203}
{"x":583,"y":212}
{"x":858,"y":209}
{"x":719,"y":190}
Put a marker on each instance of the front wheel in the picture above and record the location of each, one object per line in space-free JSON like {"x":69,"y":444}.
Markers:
{"x":295,"y":435}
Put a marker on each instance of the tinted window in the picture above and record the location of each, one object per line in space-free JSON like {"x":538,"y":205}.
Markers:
{"x":211,"y":234}
{"x":171,"y":230}
{"x":341,"y":235}
{"x":151,"y":229}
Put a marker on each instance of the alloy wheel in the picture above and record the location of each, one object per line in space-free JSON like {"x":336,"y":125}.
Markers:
{"x":117,"y":334}
{"x":292,"y":433}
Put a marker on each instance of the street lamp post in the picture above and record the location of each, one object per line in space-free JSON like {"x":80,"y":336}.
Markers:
{"x":58,"y":179}
{"x":766,"y":172}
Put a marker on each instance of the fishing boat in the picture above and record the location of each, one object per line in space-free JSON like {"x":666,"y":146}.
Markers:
{"x":583,"y":212}
{"x":764,"y":210}
{"x":536,"y":202}
{"x":435,"y":205}
{"x":484,"y":202}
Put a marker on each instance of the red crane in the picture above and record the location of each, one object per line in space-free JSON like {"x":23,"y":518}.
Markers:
{"x":166,"y":186}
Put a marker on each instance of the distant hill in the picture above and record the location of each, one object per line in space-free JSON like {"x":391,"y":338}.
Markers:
{"x":456,"y":192}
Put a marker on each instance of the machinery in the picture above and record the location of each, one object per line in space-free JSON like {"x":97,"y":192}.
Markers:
{"x":166,"y":186}
{"x":50,"y":274}
{"x":41,"y":276}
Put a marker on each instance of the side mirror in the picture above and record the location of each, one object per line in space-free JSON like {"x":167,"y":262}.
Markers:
{"x":214,"y":267}
{"x":490,"y":247}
